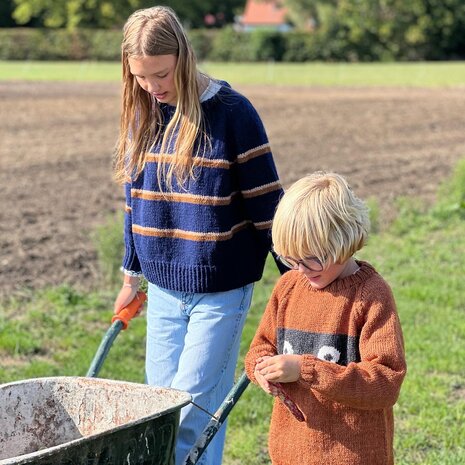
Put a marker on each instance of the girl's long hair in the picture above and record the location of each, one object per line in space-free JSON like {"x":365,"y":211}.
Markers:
{"x":151,"y":32}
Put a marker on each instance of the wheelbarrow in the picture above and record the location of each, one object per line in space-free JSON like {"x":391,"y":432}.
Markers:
{"x":92,"y":421}
{"x":83,"y":421}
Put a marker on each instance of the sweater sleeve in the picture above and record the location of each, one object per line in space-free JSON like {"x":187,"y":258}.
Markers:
{"x":257,"y":175}
{"x":264,"y":341}
{"x":375,"y":381}
{"x":130,"y":259}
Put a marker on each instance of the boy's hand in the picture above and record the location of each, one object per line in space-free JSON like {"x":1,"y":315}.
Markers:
{"x":275,"y":388}
{"x":264,"y":384}
{"x":279,"y":368}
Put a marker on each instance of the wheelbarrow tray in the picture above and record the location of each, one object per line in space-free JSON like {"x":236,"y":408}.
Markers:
{"x":84,"y":421}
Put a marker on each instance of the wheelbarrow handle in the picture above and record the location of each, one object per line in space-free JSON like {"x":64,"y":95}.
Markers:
{"x":129,"y":312}
{"x":119,"y":322}
{"x":217,"y":420}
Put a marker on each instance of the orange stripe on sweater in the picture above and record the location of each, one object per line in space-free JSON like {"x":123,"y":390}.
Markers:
{"x":180,"y":197}
{"x":261,"y":190}
{"x":198,"y":161}
{"x":189,"y":235}
{"x":201,"y":161}
{"x":253,"y":153}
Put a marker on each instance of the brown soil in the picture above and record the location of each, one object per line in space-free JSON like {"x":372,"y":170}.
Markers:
{"x":57,"y":140}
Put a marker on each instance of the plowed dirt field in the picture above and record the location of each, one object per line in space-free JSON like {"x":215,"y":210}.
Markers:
{"x":56,"y":143}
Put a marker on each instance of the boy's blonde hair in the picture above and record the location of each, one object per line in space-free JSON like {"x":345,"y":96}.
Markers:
{"x":152,"y":32}
{"x":319,"y":216}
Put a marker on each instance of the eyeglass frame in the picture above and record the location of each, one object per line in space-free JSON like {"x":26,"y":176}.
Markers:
{"x":294,"y":264}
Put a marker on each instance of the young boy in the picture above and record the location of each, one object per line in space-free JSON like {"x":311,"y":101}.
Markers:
{"x":330,"y":340}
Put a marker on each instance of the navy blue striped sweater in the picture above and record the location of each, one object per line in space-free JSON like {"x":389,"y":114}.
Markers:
{"x":214,"y":233}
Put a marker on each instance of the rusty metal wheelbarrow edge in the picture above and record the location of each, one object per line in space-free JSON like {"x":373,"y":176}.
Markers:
{"x":25,"y":458}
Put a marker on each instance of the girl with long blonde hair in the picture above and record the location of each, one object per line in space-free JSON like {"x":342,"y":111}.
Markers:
{"x":201,"y":190}
{"x":141,"y":126}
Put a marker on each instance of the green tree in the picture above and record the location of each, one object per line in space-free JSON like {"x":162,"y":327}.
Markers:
{"x":6,"y":9}
{"x":417,"y":29}
{"x":310,"y":14}
{"x":72,"y":14}
{"x":193,"y":12}
{"x":386,"y":29}
{"x":75,"y":13}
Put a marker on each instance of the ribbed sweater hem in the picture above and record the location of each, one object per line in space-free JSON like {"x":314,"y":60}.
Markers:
{"x":197,"y":279}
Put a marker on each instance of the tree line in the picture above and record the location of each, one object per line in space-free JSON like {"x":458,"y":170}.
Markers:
{"x":107,"y":14}
{"x":349,"y":30}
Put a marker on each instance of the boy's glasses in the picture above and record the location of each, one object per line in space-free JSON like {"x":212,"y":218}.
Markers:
{"x":311,"y":263}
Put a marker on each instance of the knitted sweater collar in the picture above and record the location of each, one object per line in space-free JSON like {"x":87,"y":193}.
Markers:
{"x":365,"y":271}
{"x":207,"y":96}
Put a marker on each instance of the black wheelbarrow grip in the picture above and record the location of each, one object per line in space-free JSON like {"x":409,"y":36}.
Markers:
{"x":217,"y":420}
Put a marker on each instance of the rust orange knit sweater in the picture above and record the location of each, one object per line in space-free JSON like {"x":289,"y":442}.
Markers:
{"x":353,"y":366}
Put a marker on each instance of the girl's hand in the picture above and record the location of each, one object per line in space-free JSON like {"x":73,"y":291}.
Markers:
{"x":126,"y":294}
{"x":279,"y":368}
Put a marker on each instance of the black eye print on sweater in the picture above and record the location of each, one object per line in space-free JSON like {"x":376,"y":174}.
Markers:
{"x":335,"y":348}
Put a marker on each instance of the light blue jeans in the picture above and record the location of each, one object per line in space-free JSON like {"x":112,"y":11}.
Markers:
{"x":193,"y":344}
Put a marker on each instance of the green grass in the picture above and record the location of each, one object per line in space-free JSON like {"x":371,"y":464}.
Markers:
{"x":422,"y":74}
{"x":59,"y":71}
{"x":424,"y":265}
{"x":57,"y":331}
{"x":342,"y":74}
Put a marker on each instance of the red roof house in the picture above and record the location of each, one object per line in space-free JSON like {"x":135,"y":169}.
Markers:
{"x":264,"y":14}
